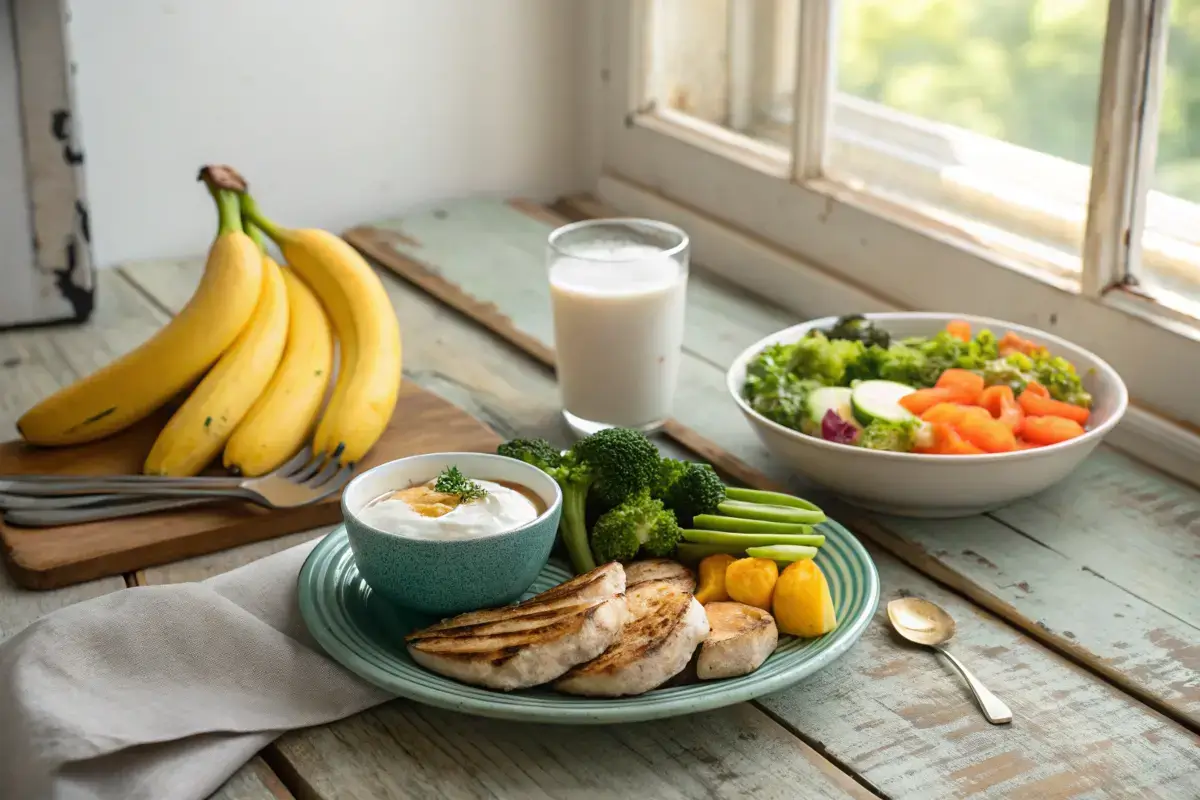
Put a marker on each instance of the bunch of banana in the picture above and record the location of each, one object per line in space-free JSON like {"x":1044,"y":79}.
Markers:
{"x":257,"y":336}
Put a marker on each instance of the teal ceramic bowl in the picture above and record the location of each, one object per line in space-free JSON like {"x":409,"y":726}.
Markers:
{"x":444,"y":577}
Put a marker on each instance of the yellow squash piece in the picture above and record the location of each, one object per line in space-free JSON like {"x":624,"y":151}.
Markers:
{"x":712,"y":578}
{"x":202,"y":425}
{"x":282,"y":419}
{"x":752,"y":581}
{"x":144,"y":379}
{"x":803,"y":605}
{"x":369,"y":335}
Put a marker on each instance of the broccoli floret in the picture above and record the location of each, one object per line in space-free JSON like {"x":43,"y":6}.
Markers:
{"x":904,"y":364}
{"x":883,"y":435}
{"x":574,"y":479}
{"x":669,"y":471}
{"x":639,"y":523}
{"x":613,"y":463}
{"x":1061,"y":379}
{"x":695,"y":489}
{"x":818,"y":358}
{"x":537,"y":452}
{"x":623,"y":461}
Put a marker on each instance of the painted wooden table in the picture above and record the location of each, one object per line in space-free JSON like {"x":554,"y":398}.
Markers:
{"x":1080,"y":607}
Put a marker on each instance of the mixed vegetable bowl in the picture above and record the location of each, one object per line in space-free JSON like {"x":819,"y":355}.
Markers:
{"x":958,"y":392}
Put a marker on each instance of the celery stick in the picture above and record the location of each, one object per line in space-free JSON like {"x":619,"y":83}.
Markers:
{"x":692,"y":552}
{"x":715,"y":522}
{"x":768,"y":498}
{"x":750,"y":539}
{"x":783,"y":552}
{"x":771,"y":513}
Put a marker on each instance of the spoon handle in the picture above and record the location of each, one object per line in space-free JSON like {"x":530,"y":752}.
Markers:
{"x":993,"y":707}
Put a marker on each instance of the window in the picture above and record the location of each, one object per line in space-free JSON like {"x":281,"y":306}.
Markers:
{"x":1033,"y":160}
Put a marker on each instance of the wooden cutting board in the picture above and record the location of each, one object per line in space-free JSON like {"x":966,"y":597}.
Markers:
{"x":48,"y":558}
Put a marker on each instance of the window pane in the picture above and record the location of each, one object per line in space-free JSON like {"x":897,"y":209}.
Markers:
{"x":726,"y":62}
{"x":1171,"y":242}
{"x":981,"y":112}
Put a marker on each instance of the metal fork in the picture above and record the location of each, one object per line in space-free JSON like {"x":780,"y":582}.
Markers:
{"x":48,"y":500}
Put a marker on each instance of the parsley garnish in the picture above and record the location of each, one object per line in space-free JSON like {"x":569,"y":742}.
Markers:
{"x":452,"y":481}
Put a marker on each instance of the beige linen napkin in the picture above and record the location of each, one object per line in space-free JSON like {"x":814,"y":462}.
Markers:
{"x":163,"y":692}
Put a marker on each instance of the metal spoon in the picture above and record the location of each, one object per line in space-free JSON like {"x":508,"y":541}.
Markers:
{"x":923,"y":622}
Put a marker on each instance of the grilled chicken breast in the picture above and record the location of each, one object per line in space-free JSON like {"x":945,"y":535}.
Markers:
{"x":660,"y":569}
{"x":739,"y":640}
{"x":665,"y":626}
{"x":515,"y":647}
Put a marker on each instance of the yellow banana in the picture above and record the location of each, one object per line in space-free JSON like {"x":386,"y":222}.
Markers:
{"x":363,"y":319}
{"x":281,"y":420}
{"x":346,"y":357}
{"x":138,"y":383}
{"x":202,"y":425}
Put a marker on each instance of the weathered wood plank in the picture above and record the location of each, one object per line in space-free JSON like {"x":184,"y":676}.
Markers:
{"x":19,"y":607}
{"x":1141,"y":584}
{"x":1126,"y":523}
{"x":254,"y":781}
{"x":407,"y":750}
{"x":903,"y":720}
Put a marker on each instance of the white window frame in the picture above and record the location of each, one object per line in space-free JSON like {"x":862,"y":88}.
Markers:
{"x":784,"y":229}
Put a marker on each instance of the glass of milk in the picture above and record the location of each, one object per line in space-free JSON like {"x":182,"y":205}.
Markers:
{"x":618,"y":288}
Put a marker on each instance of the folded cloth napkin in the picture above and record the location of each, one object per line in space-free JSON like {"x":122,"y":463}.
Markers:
{"x":163,"y":692}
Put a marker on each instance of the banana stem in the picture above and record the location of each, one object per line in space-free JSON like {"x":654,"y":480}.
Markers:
{"x":251,"y":212}
{"x":256,"y":234}
{"x":224,"y":184}
{"x":229,"y":212}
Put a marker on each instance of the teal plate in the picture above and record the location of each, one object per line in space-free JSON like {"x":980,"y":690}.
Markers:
{"x":365,"y":632}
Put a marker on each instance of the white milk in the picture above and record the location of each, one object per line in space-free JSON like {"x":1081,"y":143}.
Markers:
{"x":618,"y":330}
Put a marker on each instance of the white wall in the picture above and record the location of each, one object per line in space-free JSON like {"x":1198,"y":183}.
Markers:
{"x":336,"y":111}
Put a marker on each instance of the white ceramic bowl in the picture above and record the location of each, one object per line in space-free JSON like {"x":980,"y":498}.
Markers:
{"x":915,"y":485}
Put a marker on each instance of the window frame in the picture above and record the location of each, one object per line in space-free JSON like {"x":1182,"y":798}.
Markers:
{"x":58,"y":284}
{"x":788,"y":231}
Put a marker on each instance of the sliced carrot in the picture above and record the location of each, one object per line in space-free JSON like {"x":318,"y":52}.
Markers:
{"x":1003,"y":406}
{"x":960,"y":447}
{"x":947,"y":442}
{"x":1036,"y":388}
{"x":1024,"y":445}
{"x":962,"y":380}
{"x":1035,"y":405}
{"x":987,"y":434}
{"x":944,"y":412}
{"x":1012,"y":343}
{"x":959,"y":329}
{"x":922,"y":400}
{"x":953,"y":413}
{"x":1050,"y":430}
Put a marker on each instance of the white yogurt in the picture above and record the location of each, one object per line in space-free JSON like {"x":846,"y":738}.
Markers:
{"x":618,"y":332}
{"x":502,"y":509}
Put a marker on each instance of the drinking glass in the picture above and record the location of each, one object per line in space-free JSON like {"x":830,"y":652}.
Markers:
{"x":618,"y":290}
